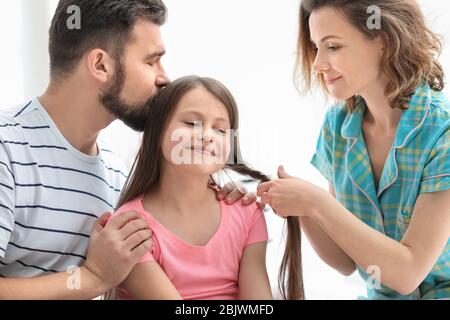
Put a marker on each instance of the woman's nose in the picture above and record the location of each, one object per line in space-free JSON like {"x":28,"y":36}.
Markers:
{"x":320,"y":64}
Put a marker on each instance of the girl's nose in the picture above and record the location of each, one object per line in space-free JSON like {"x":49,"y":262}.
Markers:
{"x":206,"y":136}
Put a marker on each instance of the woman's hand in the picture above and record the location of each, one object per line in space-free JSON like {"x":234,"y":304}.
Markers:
{"x":290,"y":196}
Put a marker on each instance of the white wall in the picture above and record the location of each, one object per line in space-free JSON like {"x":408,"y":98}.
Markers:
{"x":250,"y":46}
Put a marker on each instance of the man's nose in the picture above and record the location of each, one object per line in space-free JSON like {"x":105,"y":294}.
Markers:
{"x":162,"y":79}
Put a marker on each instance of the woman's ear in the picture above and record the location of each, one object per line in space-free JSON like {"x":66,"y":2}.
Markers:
{"x":381,"y":44}
{"x":100,"y":65}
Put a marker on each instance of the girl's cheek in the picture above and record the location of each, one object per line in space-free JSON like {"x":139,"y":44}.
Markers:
{"x":224,"y":152}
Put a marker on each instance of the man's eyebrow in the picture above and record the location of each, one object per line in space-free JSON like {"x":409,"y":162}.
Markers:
{"x":331,"y":36}
{"x":154,"y":55}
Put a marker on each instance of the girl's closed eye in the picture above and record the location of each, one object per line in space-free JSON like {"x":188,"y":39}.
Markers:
{"x":196,"y":123}
{"x":221,"y":131}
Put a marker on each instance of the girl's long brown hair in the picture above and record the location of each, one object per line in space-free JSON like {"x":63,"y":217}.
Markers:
{"x":146,"y":170}
{"x":410,"y":54}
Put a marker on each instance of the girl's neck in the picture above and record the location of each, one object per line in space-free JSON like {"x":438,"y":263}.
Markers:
{"x":180,"y":191}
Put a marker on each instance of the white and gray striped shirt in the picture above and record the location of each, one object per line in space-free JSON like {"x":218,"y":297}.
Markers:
{"x":50,"y":194}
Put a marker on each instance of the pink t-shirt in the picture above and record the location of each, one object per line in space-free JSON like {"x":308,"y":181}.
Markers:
{"x":209,"y":272}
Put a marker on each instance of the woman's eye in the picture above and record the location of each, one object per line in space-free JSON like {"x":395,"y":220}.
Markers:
{"x":333,"y":48}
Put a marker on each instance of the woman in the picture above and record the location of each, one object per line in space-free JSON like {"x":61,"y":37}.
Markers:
{"x":385,"y":148}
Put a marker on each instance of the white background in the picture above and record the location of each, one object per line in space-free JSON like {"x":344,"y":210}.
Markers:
{"x":249,"y":46}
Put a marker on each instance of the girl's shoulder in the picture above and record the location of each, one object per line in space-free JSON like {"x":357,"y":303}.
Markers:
{"x":132,"y":205}
{"x":246,"y":215}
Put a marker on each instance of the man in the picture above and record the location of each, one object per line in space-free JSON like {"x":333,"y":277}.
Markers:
{"x":56,"y":178}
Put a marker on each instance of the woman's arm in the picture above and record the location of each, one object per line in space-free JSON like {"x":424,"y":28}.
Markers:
{"x":147,"y":281}
{"x":325,"y":247}
{"x":253,"y":279}
{"x":403,"y":265}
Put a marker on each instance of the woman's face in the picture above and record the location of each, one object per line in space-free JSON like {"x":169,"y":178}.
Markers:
{"x":197,"y":137}
{"x":349,"y":63}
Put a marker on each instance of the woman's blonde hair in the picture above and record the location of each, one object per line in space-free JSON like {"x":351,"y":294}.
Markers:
{"x":410,"y":53}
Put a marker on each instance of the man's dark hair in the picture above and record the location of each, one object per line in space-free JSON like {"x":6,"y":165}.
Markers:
{"x":105,"y":24}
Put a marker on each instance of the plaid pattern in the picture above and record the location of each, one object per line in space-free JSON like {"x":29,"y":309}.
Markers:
{"x":418,"y":162}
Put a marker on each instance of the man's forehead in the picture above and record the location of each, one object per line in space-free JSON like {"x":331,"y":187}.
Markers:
{"x":146,"y":33}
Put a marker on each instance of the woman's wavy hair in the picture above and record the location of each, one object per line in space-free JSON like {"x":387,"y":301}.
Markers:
{"x":410,"y":54}
{"x":146,"y":170}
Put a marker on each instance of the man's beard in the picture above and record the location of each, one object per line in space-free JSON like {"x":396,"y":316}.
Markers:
{"x":133,"y":115}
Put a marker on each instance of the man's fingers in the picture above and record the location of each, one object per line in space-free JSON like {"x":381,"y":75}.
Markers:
{"x":101,"y":222}
{"x":263,"y":187}
{"x":234,"y":196}
{"x":137,"y":238}
{"x":249,"y":198}
{"x":118,"y":221}
{"x":226,"y":189}
{"x":260,"y":205}
{"x":143,"y":248}
{"x":132,"y":227}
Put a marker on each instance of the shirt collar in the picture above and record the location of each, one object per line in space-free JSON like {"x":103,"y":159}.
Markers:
{"x":411,"y":120}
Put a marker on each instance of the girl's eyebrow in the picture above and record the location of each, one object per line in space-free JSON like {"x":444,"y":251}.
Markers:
{"x":198,"y":114}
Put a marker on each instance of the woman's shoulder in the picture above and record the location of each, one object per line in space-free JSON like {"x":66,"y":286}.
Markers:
{"x":436,"y":123}
{"x":335,"y":118}
{"x":439,"y":108}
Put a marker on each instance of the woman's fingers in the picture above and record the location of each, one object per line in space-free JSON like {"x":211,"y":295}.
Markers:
{"x":263,"y":188}
{"x":266,"y":199}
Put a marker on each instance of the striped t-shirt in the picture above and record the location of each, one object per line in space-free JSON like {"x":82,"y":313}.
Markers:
{"x":50,"y":194}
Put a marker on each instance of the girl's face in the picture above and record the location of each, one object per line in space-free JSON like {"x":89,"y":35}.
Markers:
{"x":198,"y":135}
{"x":349,"y":63}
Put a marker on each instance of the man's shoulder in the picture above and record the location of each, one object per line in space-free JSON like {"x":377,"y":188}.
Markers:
{"x":112,"y":158}
{"x":13,"y":120}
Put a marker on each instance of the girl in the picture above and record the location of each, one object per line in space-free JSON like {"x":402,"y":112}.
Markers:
{"x":203,"y":248}
{"x":385,"y":149}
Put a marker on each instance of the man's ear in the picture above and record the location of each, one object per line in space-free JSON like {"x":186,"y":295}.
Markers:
{"x":100,"y":65}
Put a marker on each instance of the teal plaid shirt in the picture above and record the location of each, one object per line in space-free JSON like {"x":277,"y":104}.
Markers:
{"x":418,"y":162}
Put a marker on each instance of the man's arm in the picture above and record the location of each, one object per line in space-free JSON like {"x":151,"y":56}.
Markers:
{"x":52,"y":287}
{"x":113,"y":250}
